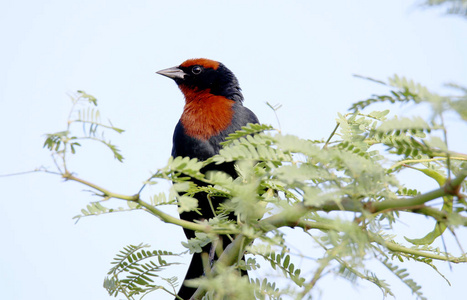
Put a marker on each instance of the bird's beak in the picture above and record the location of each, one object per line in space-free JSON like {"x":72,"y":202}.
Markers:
{"x":174,"y":73}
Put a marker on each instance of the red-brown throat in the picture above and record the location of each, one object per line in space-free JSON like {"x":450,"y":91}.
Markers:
{"x":205,"y":115}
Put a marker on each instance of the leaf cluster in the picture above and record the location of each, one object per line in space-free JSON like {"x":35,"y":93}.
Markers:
{"x":342,"y":194}
{"x":135,"y":270}
{"x":457,"y":7}
{"x":85,"y":113}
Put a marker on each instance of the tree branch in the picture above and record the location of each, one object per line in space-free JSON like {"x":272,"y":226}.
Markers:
{"x":450,"y":188}
{"x":105,"y":193}
{"x":149,"y":208}
{"x":393,"y":246}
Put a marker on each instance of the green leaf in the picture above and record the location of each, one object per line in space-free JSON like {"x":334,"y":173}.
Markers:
{"x":186,"y":203}
{"x":440,"y":227}
{"x":88,"y":97}
{"x":132,"y":275}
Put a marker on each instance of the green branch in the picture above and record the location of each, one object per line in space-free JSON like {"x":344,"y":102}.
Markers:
{"x":398,"y":248}
{"x":415,"y":204}
{"x":105,"y":193}
{"x":415,"y":161}
{"x":450,"y":188}
{"x":306,"y":225}
{"x":149,"y":208}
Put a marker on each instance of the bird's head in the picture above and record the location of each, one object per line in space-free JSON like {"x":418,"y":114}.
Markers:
{"x":203,"y":75}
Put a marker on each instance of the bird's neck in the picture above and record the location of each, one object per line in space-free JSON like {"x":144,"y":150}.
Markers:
{"x":205,"y":115}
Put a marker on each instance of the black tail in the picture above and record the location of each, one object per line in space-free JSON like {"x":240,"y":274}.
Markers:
{"x":196,"y":270}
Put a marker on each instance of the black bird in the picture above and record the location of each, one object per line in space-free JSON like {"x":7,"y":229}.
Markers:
{"x":213,"y":110}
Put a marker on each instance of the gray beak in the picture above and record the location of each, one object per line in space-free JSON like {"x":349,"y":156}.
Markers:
{"x":174,"y":73}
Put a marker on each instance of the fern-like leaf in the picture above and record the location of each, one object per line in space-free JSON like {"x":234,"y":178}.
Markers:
{"x":282,"y":261}
{"x":96,"y":208}
{"x":402,"y":274}
{"x":138,"y":268}
{"x":249,"y":129}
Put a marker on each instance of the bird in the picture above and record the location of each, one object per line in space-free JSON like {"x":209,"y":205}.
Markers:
{"x":213,"y":110}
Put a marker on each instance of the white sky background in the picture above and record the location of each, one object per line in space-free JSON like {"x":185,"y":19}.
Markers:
{"x":301,"y":54}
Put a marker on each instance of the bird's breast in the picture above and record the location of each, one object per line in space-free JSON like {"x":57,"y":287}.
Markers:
{"x":206,"y":115}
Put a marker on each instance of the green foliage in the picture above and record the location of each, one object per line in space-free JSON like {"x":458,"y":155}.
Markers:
{"x":135,"y":270}
{"x":248,"y":130}
{"x":84,"y":112}
{"x":265,"y":289}
{"x":285,"y":181}
{"x":227,"y":285}
{"x":458,"y":7}
{"x":404,"y":93}
{"x":402,"y":274}
{"x":178,"y":166}
{"x":282,"y":262}
{"x":96,"y":208}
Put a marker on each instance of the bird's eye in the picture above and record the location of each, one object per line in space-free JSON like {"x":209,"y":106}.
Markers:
{"x":196,"y":70}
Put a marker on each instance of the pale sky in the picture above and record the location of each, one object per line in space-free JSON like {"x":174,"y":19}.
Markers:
{"x":301,"y":54}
